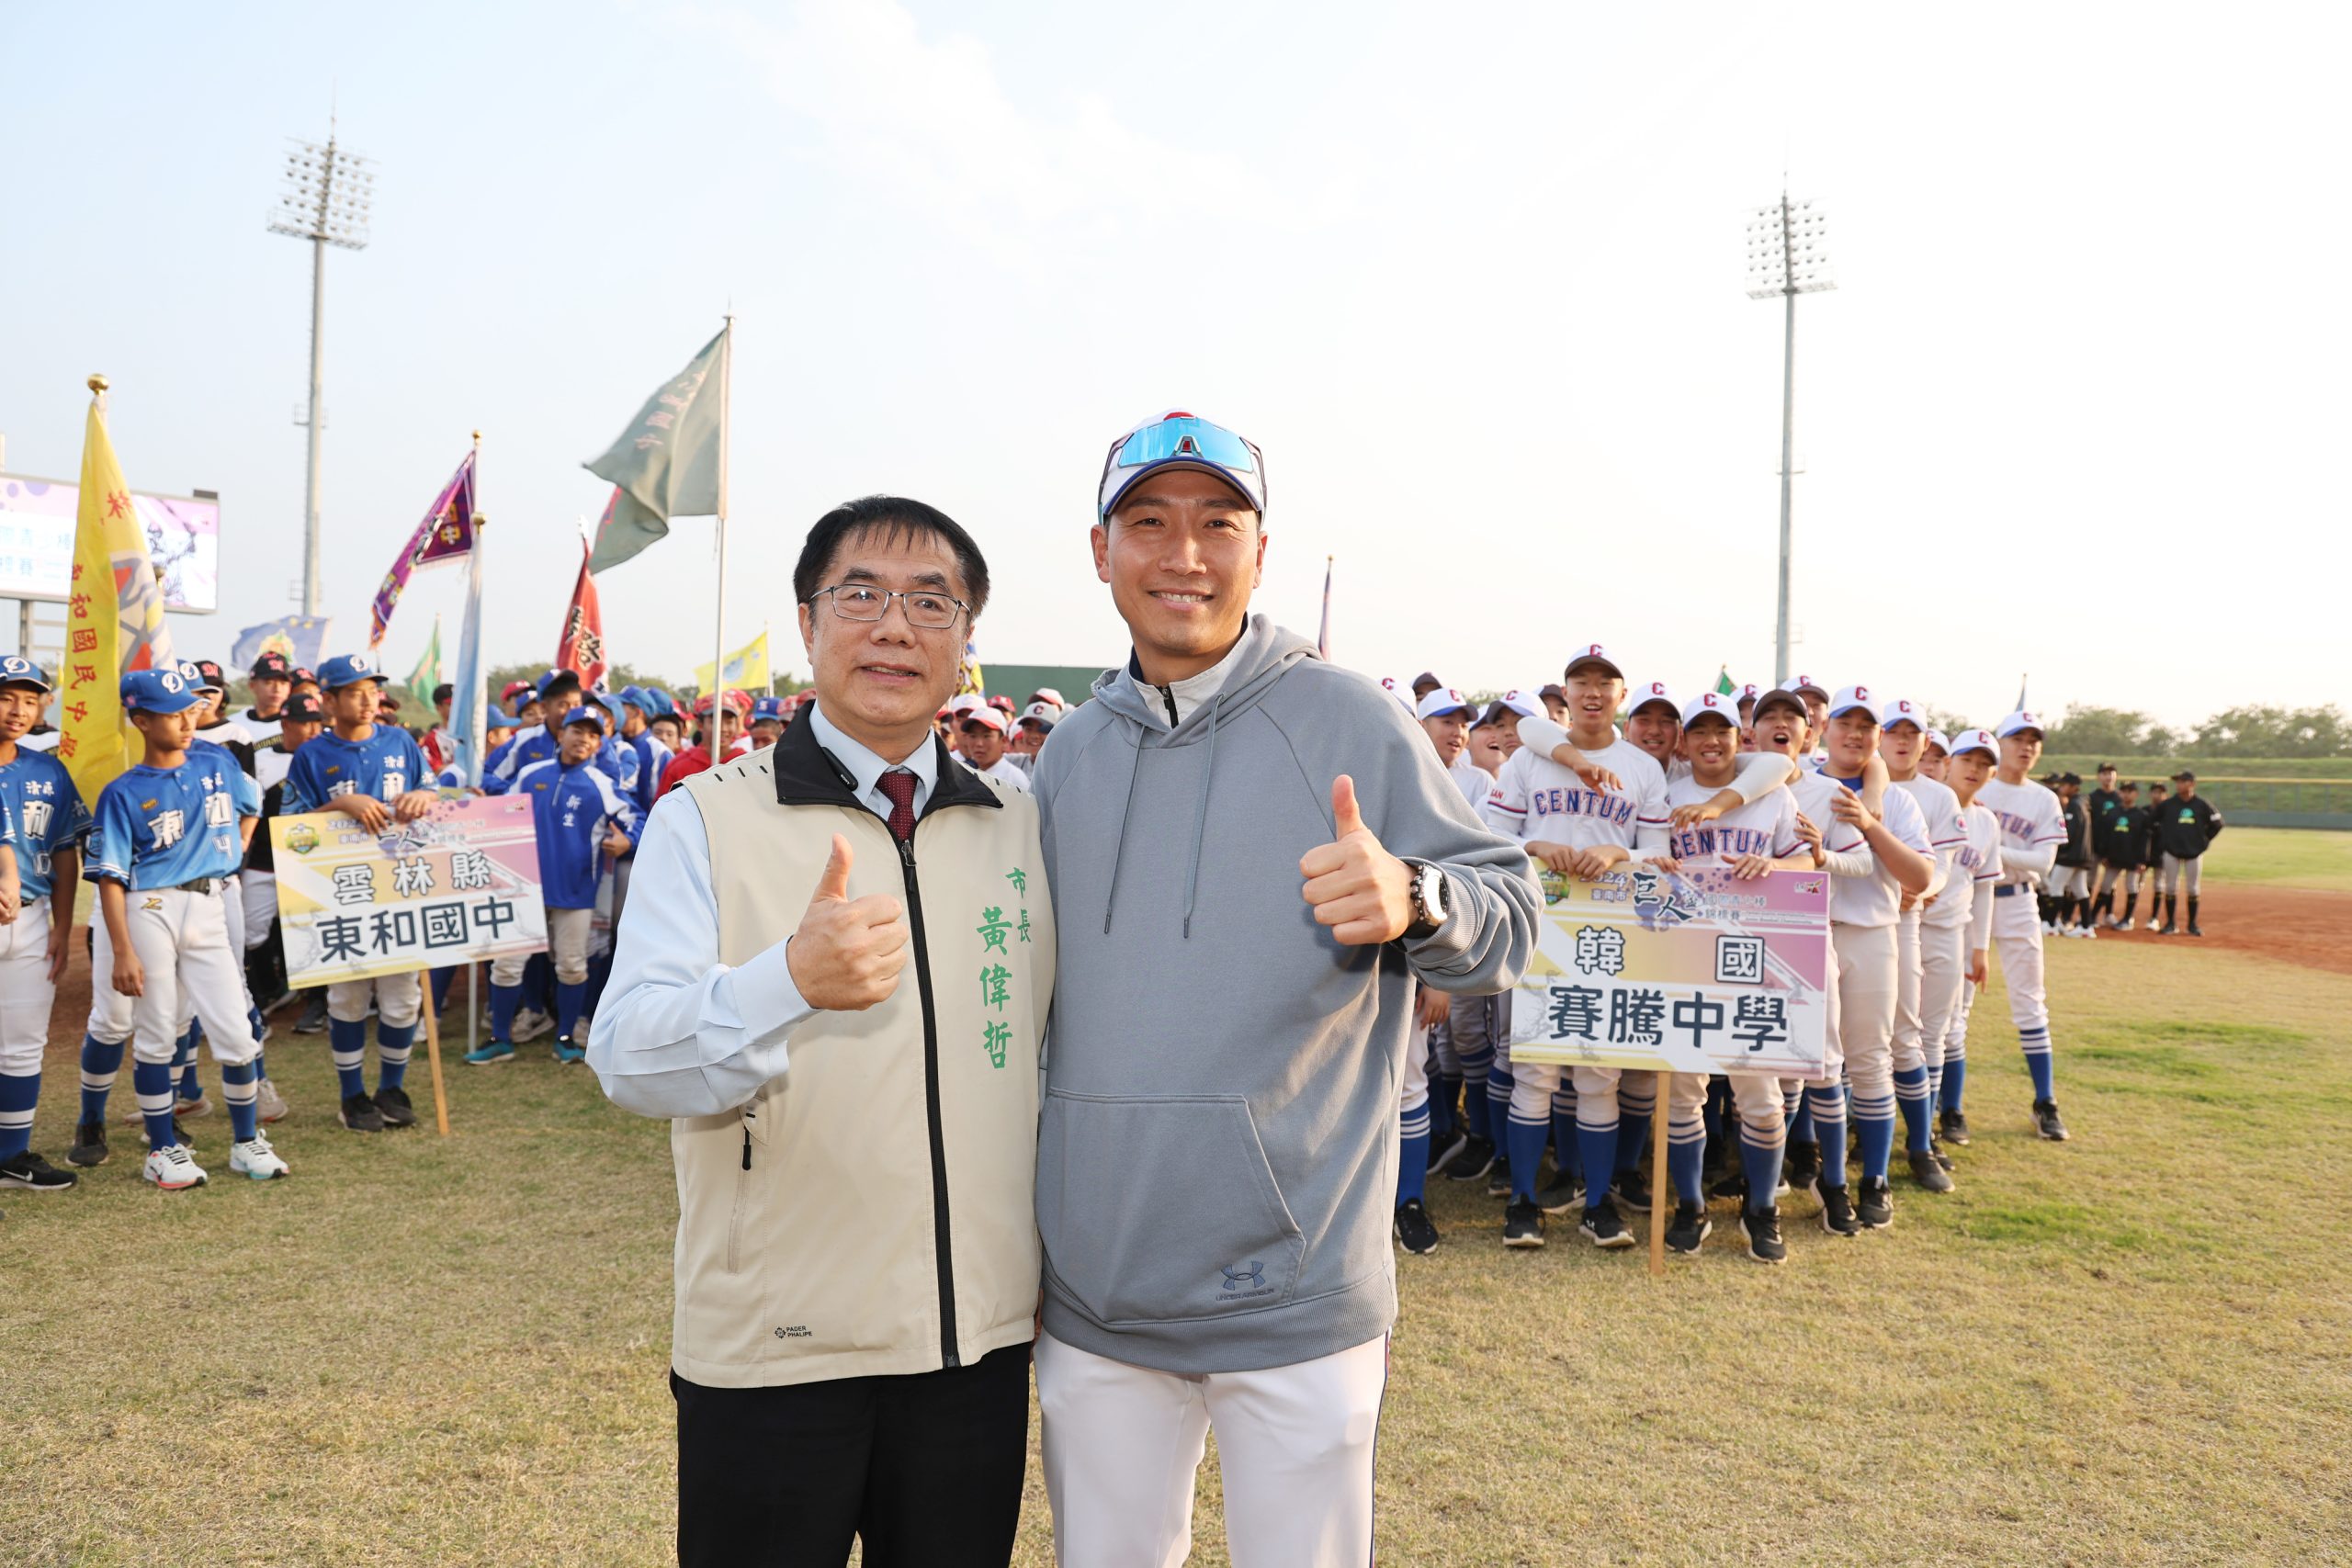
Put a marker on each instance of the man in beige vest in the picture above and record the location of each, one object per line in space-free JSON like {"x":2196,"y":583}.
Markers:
{"x":832,"y":975}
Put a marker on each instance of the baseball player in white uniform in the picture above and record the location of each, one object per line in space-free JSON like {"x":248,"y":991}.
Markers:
{"x":1955,"y":930}
{"x":2031,"y":830}
{"x":1901,"y":741}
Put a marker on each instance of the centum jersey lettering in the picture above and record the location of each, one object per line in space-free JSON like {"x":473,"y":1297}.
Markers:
{"x":387,"y":764}
{"x":1766,"y":826}
{"x":1535,"y":800}
{"x":163,"y":826}
{"x":38,"y":795}
{"x":2029,"y":814}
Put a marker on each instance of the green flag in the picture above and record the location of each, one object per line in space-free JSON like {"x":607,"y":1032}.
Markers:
{"x":666,"y":464}
{"x":1723,"y":687}
{"x":427,"y":673}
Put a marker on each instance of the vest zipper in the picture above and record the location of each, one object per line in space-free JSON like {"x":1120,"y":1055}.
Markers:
{"x":946,"y":1264}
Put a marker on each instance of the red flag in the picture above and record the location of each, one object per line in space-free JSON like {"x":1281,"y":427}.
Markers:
{"x":582,"y":648}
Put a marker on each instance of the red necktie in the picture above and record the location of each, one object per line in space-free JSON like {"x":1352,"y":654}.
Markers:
{"x":899,"y":786}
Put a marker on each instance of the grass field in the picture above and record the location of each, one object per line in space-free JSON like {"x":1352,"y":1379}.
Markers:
{"x":2135,"y":1348}
{"x":2281,"y":857}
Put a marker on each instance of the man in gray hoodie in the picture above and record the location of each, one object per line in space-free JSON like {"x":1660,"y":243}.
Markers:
{"x":1254,"y":856}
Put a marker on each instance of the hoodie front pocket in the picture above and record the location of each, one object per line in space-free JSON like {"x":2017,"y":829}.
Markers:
{"x":1155,"y":1210}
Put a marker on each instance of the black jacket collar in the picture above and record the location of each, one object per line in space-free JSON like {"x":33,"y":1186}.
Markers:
{"x":807,"y":775}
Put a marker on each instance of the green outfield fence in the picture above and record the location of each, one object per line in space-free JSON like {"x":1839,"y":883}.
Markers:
{"x":2279,"y":803}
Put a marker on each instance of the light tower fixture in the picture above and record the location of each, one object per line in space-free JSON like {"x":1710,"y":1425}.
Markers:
{"x":1788,"y":255}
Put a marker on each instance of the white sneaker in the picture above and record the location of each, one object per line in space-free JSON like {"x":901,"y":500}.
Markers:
{"x":530,"y":1023}
{"x":2088,"y":933}
{"x":255,"y":1158}
{"x":270,"y":1104}
{"x":173,"y":1169}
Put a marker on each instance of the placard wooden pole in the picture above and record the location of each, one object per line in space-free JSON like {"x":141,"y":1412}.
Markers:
{"x":1658,"y":1178}
{"x":433,"y":1050}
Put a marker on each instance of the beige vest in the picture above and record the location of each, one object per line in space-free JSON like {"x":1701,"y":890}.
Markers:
{"x":810,"y":1243}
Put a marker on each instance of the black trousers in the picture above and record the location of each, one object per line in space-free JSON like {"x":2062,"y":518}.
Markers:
{"x":925,"y":1469}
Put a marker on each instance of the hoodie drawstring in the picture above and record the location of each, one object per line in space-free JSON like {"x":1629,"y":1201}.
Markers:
{"x":1119,"y":852}
{"x":1201,"y":817}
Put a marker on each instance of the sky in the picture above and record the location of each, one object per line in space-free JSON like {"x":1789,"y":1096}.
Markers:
{"x":1473,"y":277}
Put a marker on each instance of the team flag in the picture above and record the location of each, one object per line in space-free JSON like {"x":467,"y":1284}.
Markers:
{"x":746,"y":667}
{"x":582,"y":648}
{"x":969,"y":680}
{"x":445,"y":534}
{"x":301,"y":638}
{"x":114,"y":615}
{"x":1724,"y":686}
{"x":1323,"y":638}
{"x":467,"y":721}
{"x":666,"y":464}
{"x":427,"y":673}
{"x":2021,"y":708}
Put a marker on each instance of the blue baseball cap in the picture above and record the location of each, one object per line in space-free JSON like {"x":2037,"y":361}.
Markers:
{"x":552,"y":676}
{"x":158,"y":691}
{"x":586,"y":714}
{"x":639,"y":699}
{"x":18,"y":671}
{"x":665,"y":705}
{"x":346,"y":670}
{"x":1180,"y":440}
{"x":768,"y":707}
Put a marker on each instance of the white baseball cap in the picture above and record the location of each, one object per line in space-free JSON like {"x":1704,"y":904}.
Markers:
{"x":965,"y":702}
{"x":1805,"y":684}
{"x":1444,"y":700}
{"x":1044,"y":714}
{"x":1047,"y":694}
{"x":1722,"y":706}
{"x":2021,"y":719}
{"x":1975,"y":740}
{"x":1750,"y":691}
{"x":1401,"y":690}
{"x":1649,"y":692}
{"x":984,"y":714}
{"x":1591,"y":653}
{"x":1902,"y":710}
{"x":1849,"y":698}
{"x":1520,"y":703}
{"x":1940,"y":742}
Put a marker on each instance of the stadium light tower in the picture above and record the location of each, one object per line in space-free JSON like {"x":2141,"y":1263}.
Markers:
{"x":1788,"y":255}
{"x":324,"y":200}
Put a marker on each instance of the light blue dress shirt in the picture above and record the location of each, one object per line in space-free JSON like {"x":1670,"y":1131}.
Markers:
{"x":678,"y":1033}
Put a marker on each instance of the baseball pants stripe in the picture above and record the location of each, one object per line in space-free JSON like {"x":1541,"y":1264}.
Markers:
{"x":1123,"y":1445}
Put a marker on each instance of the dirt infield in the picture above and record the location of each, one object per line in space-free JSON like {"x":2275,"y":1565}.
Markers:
{"x":2312,"y":928}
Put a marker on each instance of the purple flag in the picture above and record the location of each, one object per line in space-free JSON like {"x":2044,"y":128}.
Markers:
{"x":447,"y":533}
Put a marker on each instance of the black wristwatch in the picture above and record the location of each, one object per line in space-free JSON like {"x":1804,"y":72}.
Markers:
{"x":1428,"y":900}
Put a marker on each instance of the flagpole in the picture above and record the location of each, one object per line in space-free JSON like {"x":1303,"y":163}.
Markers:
{"x":718,"y":621}
{"x":477,"y":724}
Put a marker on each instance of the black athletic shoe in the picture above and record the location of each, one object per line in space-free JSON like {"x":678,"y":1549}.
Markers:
{"x":1499,"y":1178}
{"x":1689,"y":1227}
{"x":1523,"y":1225}
{"x":34,"y":1174}
{"x":1732,"y":1189}
{"x":2046,"y":1123}
{"x":1563,"y":1194}
{"x":314,"y":1016}
{"x":1803,"y":1162}
{"x":1951,"y":1126}
{"x":1874,"y":1203}
{"x":359,"y":1115}
{"x":89,"y":1150}
{"x":1603,"y":1228}
{"x":1476,"y":1157}
{"x":1928,"y":1172}
{"x":1416,"y":1231}
{"x":392,"y":1105}
{"x":1632,"y":1190}
{"x":1836,"y":1211}
{"x":2194,"y":929}
{"x":1442,"y":1150}
{"x":1763,"y":1228}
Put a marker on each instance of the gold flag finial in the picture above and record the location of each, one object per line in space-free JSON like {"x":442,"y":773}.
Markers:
{"x":97,"y":383}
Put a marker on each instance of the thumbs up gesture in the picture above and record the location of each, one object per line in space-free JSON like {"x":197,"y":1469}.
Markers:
{"x":847,"y":952}
{"x":1360,"y":890}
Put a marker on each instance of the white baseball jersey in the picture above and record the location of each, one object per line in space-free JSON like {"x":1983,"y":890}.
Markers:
{"x":2032,"y":820}
{"x":1877,"y":899}
{"x":1975,"y":867}
{"x":1006,"y":774}
{"x":1766,"y":826}
{"x":1939,"y":809}
{"x":1475,"y":782}
{"x":1535,"y":800}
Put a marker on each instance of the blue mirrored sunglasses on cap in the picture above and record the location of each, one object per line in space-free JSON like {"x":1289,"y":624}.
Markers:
{"x":1183,"y":440}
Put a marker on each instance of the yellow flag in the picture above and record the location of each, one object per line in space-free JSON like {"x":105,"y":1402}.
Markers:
{"x":747,"y":667}
{"x":114,"y":618}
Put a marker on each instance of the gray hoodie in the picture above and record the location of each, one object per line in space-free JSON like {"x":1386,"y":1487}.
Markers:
{"x":1216,"y":1163}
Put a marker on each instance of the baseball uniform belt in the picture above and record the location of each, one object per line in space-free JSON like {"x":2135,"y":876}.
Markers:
{"x":2009,"y":889}
{"x":201,"y":885}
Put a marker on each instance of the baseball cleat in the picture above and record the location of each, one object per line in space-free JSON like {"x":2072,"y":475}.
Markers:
{"x":1874,"y":1203}
{"x":255,"y":1158}
{"x":530,"y":1023}
{"x":28,"y":1172}
{"x":2046,"y":1122}
{"x":1801,"y":1163}
{"x":1563,"y":1195}
{"x":1523,"y":1225}
{"x":1763,"y":1228}
{"x":1689,"y":1227}
{"x":392,"y":1104}
{"x":359,"y":1115}
{"x":1951,"y":1126}
{"x":1928,"y":1172}
{"x":567,"y":1051}
{"x":1632,"y":1190}
{"x":1478,"y":1155}
{"x":173,"y":1169}
{"x":314,"y":1015}
{"x":1837,"y":1210}
{"x":1416,"y":1231}
{"x":269,"y":1103}
{"x":1442,"y":1150}
{"x":491,"y":1051}
{"x":1603,"y":1228}
{"x":1498,"y":1179}
{"x":89,"y":1150}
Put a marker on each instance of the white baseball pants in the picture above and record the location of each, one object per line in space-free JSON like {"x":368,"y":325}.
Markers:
{"x":1906,"y":1047}
{"x":24,"y":989}
{"x":182,"y":940}
{"x":1866,"y":972}
{"x":2016,"y":942}
{"x":398,"y":1001}
{"x":1943,"y":975}
{"x":566,"y":949}
{"x":1123,"y":1445}
{"x":260,"y":899}
{"x":1413,"y":1088}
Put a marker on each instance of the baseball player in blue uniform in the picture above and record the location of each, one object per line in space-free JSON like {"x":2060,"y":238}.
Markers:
{"x":39,"y":800}
{"x":165,"y":840}
{"x":375,"y":775}
{"x":580,"y":816}
{"x":559,"y":693}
